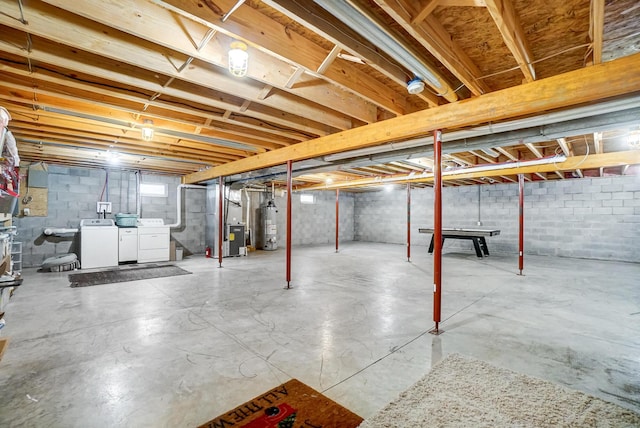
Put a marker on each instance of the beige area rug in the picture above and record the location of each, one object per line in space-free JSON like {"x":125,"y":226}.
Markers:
{"x":464,"y":392}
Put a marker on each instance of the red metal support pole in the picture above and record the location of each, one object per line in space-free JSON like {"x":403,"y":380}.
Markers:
{"x":521,"y":215}
{"x":337,"y":217}
{"x":220,"y":223}
{"x":437,"y":229}
{"x":408,"y":222}
{"x":289,"y":191}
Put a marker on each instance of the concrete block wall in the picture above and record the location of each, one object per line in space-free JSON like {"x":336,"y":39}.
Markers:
{"x":316,"y":223}
{"x":311,"y":223}
{"x":595,"y":218}
{"x":73,"y":193}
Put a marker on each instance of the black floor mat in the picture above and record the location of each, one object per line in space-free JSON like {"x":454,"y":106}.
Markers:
{"x":124,"y":274}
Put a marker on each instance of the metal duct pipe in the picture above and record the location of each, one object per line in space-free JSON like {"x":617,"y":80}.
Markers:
{"x":361,"y":21}
{"x":178,"y":222}
{"x":492,"y":129}
{"x":530,"y":135}
{"x":248,"y":224}
{"x":577,"y":121}
{"x":138,"y":195}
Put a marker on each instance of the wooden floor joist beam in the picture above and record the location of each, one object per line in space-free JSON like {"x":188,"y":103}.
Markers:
{"x":590,"y":84}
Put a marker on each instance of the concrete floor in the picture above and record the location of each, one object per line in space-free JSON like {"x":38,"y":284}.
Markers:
{"x":176,"y":352}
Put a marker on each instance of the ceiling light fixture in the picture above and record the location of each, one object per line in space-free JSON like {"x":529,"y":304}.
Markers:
{"x":147,"y":130}
{"x":113,"y":157}
{"x":415,"y":86}
{"x":238,"y":59}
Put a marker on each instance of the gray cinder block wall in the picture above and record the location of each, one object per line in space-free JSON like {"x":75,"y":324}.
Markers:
{"x":594,"y":218}
{"x":310,"y":223}
{"x":73,"y":193}
{"x":316,"y":223}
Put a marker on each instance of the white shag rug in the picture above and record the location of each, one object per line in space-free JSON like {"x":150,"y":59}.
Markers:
{"x":464,"y":392}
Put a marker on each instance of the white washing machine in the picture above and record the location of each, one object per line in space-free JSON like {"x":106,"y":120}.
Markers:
{"x":153,"y":240}
{"x":98,"y":243}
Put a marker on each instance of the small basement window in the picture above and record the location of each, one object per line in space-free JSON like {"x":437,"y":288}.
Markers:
{"x":157,"y":190}
{"x":306,"y":198}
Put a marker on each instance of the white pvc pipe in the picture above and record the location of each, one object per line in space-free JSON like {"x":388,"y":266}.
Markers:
{"x":246,"y":194}
{"x":178,"y":222}
{"x":58,"y":231}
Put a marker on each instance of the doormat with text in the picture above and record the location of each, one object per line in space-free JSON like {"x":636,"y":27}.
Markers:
{"x":290,"y":405}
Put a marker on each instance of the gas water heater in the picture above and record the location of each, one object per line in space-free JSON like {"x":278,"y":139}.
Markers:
{"x":269,"y":227}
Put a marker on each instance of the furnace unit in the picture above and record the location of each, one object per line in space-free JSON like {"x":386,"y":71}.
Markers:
{"x":235,"y":245}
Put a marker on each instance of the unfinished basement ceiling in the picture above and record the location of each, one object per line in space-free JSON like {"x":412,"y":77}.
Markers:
{"x":80,"y":79}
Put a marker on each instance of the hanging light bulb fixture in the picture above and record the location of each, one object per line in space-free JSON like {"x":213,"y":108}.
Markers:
{"x":238,"y":59}
{"x":147,"y":130}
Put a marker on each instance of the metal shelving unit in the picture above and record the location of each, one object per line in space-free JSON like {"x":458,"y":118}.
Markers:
{"x":16,"y":257}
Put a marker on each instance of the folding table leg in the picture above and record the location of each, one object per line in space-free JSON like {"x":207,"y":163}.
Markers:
{"x":476,"y":245}
{"x":483,"y":245}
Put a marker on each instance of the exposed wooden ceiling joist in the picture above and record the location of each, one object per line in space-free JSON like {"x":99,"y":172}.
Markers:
{"x":596,"y":29}
{"x":506,"y":19}
{"x":317,"y":20}
{"x":598,"y":82}
{"x":432,"y":35}
{"x":80,"y":78}
{"x":275,"y":39}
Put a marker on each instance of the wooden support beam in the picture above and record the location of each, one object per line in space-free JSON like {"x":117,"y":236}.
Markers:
{"x":598,"y":143}
{"x":591,"y":84}
{"x":542,"y":176}
{"x":425,"y":11}
{"x":294,"y":77}
{"x":534,"y":150}
{"x":596,"y":29}
{"x":458,"y":159}
{"x":333,"y":54}
{"x":264,"y":93}
{"x":482,"y":156}
{"x":508,"y":23}
{"x":508,"y":154}
{"x":568,"y":151}
{"x":462,"y":3}
{"x":565,"y":147}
